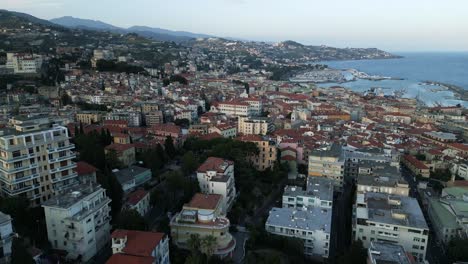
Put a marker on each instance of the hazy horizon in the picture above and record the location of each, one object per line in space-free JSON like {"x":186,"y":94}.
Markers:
{"x":397,"y":26}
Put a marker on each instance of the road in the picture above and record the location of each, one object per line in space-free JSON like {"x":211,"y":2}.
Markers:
{"x":435,"y":251}
{"x":341,"y":222}
{"x":241,"y":237}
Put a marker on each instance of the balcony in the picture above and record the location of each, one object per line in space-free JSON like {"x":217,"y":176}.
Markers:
{"x":63,"y":178}
{"x":18,"y":158}
{"x":67,"y":167}
{"x":18,"y":169}
{"x":57,"y":149}
{"x":66,"y":157}
{"x":24,"y":179}
{"x":16,"y":191}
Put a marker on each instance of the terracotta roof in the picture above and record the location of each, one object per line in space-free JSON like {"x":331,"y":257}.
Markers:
{"x":460,"y":146}
{"x":417,"y":163}
{"x":119,"y":147}
{"x":205,"y":201}
{"x":83,"y":168}
{"x":250,"y":138}
{"x":139,"y":243}
{"x":136,"y":196}
{"x":214,"y":164}
{"x":210,"y":136}
{"x":288,"y":157}
{"x":129,"y":259}
{"x":171,"y":128}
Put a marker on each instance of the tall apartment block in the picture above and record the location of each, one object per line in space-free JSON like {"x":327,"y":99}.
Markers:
{"x":35,"y":163}
{"x":78,"y":221}
{"x":382,"y":217}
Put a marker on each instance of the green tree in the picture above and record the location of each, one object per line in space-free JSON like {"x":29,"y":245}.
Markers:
{"x":355,"y":254}
{"x":189,"y":163}
{"x":112,"y":160}
{"x":194,"y":242}
{"x":457,"y":250}
{"x":19,"y":253}
{"x":208,"y":245}
{"x":113,"y":189}
{"x":65,"y":99}
{"x":158,"y":199}
{"x":169,"y":147}
{"x":131,"y":220}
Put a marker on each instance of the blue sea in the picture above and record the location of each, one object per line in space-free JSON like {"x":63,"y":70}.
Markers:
{"x":414,"y":68}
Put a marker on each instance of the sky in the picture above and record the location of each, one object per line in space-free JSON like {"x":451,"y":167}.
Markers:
{"x":393,"y":25}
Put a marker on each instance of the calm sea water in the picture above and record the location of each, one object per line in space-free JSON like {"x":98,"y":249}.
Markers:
{"x":451,"y":68}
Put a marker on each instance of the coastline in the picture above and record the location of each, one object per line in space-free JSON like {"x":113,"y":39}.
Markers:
{"x":458,"y":91}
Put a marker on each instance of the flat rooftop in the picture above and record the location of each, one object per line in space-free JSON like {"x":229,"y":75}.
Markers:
{"x":388,"y":253}
{"x":329,"y":151}
{"x":310,"y":219}
{"x":72,"y":196}
{"x":381,"y":174}
{"x":392,"y":209}
{"x":320,"y":187}
{"x":127,"y":174}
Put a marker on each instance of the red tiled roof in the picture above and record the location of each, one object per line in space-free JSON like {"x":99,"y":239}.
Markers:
{"x":288,"y":157}
{"x":139,"y":243}
{"x":460,"y":146}
{"x":210,"y":136}
{"x":250,"y":138}
{"x":83,"y":168}
{"x":417,"y":163}
{"x":136,"y":196}
{"x":129,"y":259}
{"x":205,"y":201}
{"x":213,"y":164}
{"x":119,"y":147}
{"x":171,"y":128}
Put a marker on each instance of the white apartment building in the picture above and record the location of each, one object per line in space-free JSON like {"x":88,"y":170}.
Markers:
{"x":312,"y":225}
{"x":256,"y":105}
{"x":329,"y":163}
{"x":79,"y":221}
{"x":139,"y":201}
{"x":396,"y":219}
{"x":36,"y":163}
{"x":318,"y":193}
{"x":254,"y":125}
{"x":460,"y":169}
{"x":233,"y":108}
{"x":216,"y":176}
{"x":380,"y":178}
{"x":24,"y":63}
{"x":448,"y":214}
{"x":203,"y":216}
{"x":6,"y":237}
{"x":384,"y":252}
{"x":128,"y":246}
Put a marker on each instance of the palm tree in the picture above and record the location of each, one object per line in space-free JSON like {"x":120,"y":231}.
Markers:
{"x":193,"y":243}
{"x":208,"y":245}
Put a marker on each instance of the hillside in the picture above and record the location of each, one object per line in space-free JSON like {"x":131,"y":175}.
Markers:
{"x":149,"y":32}
{"x":73,"y":22}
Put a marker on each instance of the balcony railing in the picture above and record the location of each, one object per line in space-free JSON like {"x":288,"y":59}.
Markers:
{"x":17,"y":158}
{"x":57,"y":149}
{"x":66,"y":167}
{"x":66,"y":157}
{"x":19,"y":180}
{"x":62,"y":178}
{"x":18,"y":169}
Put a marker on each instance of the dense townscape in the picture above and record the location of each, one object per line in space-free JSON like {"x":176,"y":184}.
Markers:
{"x":116,"y":147}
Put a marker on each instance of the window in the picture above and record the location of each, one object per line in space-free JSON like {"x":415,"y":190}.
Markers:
{"x":415,"y":247}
